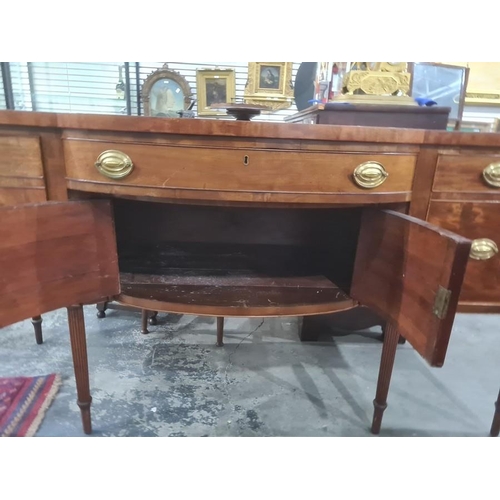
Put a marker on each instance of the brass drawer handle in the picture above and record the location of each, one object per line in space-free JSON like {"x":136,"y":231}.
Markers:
{"x":483,"y":249}
{"x":114,"y":164}
{"x":491,"y":174}
{"x":370,"y":174}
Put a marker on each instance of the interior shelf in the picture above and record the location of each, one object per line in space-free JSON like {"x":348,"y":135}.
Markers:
{"x":228,"y":279}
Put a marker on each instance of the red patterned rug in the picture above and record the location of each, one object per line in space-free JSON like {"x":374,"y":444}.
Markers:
{"x":23,"y":403}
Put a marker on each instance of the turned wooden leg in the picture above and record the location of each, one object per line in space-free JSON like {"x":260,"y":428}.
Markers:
{"x":495,"y":425}
{"x":391,"y":338}
{"x":152,"y":320}
{"x":220,"y":331}
{"x":37,"y":325}
{"x":144,"y":322}
{"x":101,"y":309}
{"x":80,"y":364}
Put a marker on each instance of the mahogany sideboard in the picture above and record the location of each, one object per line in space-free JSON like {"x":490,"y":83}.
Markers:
{"x":230,"y":218}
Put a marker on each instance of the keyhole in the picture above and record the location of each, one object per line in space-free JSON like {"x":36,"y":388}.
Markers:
{"x":246,"y":160}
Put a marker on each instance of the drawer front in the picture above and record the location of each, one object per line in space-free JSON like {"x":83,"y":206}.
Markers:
{"x":21,"y":171}
{"x":467,"y":173}
{"x":243,"y":170}
{"x":18,"y":196}
{"x":479,"y":221}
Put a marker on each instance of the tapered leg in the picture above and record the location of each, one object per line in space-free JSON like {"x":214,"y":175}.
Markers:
{"x":101,"y":309}
{"x":391,"y":338}
{"x":152,"y":320}
{"x":495,"y":425}
{"x":144,"y":322}
{"x":220,"y":331}
{"x":37,"y":325}
{"x":80,"y":364}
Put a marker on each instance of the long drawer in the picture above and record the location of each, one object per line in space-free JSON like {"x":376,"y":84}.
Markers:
{"x":479,"y":221}
{"x":273,"y":173}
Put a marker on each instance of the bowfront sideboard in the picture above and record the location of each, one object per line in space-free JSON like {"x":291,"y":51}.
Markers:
{"x":229,"y":218}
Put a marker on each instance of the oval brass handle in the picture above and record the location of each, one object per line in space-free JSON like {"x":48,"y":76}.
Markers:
{"x":491,"y":174}
{"x":370,"y":174}
{"x":114,"y":164}
{"x":483,"y":249}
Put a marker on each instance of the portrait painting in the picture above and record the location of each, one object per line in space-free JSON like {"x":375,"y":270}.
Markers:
{"x":214,"y":86}
{"x":269,"y":77}
{"x":269,"y":84}
{"x":216,"y":90}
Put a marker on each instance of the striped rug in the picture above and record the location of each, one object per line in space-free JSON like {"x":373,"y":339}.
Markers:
{"x":23,"y":403}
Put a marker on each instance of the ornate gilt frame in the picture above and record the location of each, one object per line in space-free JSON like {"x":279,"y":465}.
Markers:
{"x":202,"y":79}
{"x":164,"y":74}
{"x":278,"y":96}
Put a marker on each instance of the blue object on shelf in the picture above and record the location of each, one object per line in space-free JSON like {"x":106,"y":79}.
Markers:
{"x":423,"y":101}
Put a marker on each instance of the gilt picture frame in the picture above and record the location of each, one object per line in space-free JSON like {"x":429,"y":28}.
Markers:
{"x":269,"y":84}
{"x":165,"y":93}
{"x":214,"y":86}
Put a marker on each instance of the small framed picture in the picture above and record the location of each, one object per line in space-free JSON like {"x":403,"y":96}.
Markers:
{"x":269,"y":84}
{"x":214,"y":86}
{"x":165,"y":93}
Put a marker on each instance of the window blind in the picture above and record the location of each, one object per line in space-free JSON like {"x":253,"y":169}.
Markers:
{"x":98,"y":87}
{"x":78,"y":87}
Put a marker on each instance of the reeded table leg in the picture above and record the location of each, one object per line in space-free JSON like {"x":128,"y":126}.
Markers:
{"x":220,"y":331}
{"x":495,"y":425}
{"x":37,"y":325}
{"x":391,"y":338}
{"x":80,"y":364}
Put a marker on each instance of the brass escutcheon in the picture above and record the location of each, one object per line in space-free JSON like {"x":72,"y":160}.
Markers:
{"x":491,"y":174}
{"x":370,"y":174}
{"x":483,"y":249}
{"x":114,"y":164}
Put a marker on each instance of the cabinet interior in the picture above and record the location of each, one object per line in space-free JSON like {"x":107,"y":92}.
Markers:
{"x":219,"y":255}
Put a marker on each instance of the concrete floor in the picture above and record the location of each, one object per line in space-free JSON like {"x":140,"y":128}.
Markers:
{"x":263,"y":382}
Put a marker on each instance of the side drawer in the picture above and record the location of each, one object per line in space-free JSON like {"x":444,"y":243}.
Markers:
{"x":478,"y":221}
{"x":21,"y":170}
{"x":244,"y":170}
{"x":467,"y":172}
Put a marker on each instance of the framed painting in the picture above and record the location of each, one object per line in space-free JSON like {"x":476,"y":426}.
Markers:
{"x":214,"y":86}
{"x":165,"y":93}
{"x":269,"y":83}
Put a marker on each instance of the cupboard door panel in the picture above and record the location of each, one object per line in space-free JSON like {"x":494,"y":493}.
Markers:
{"x":54,"y":255}
{"x":410,"y":273}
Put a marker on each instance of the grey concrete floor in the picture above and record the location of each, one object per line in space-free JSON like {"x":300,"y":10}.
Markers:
{"x":263,"y":382}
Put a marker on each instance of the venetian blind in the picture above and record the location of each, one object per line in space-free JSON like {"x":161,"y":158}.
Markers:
{"x":95,"y":87}
{"x":3,"y":104}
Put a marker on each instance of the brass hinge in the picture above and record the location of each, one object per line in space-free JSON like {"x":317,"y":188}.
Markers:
{"x":441,"y":303}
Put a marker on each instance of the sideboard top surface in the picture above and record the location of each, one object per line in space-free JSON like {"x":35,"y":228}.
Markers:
{"x":252,"y":129}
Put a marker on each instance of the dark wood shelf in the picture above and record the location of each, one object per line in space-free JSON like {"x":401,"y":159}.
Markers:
{"x":228,"y":280}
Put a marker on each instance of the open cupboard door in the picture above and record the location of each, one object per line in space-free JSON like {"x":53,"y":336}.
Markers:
{"x":410,"y":273}
{"x":56,"y":255}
